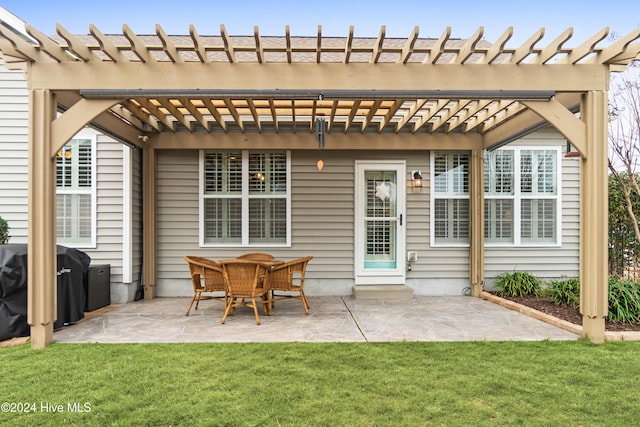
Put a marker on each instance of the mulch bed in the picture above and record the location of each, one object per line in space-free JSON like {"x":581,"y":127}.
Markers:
{"x":566,"y":312}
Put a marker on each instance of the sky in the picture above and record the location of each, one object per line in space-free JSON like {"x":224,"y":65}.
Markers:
{"x":587,"y":17}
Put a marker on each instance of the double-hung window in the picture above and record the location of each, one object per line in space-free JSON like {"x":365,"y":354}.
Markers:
{"x":75,"y":193}
{"x":522,"y":196}
{"x":450,"y":198}
{"x":245,"y":198}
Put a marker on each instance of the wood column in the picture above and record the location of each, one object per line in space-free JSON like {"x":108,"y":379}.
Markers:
{"x":149,"y":258}
{"x":476,"y":210}
{"x":594,"y":218}
{"x":42,"y":283}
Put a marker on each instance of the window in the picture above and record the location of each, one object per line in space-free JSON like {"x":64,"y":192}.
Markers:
{"x":245,"y":198}
{"x":75,"y":195}
{"x":522,"y":208}
{"x":450,"y":198}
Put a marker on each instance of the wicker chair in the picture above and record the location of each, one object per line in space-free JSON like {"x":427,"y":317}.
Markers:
{"x":245,"y":279}
{"x":281,"y":278}
{"x":257,"y":256}
{"x":207,"y":276}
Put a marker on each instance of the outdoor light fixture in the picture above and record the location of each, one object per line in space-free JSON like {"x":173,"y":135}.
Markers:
{"x":321,"y":130}
{"x":417,"y":178}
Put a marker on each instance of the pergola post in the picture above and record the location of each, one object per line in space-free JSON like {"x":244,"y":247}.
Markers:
{"x":476,"y":212}
{"x":42,"y":292}
{"x":594,"y":218}
{"x":149,"y":260}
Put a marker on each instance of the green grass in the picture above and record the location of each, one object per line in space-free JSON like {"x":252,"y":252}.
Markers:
{"x":544,"y":383}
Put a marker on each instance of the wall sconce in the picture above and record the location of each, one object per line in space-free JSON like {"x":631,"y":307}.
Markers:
{"x":417,"y":178}
{"x":320,"y":165}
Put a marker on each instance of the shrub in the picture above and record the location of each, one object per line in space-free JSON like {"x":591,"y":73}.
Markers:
{"x":565,"y":291}
{"x":624,"y":301}
{"x":4,"y":231}
{"x":516,"y":284}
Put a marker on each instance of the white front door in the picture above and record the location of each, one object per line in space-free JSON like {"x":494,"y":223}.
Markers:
{"x":380,"y":223}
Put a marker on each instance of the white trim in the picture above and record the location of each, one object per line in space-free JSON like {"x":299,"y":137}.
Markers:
{"x":396,"y":275}
{"x":432,"y":198}
{"x":517,"y":198}
{"x":245,"y":205}
{"x":15,"y":23}
{"x":92,"y":135}
{"x":127,"y":215}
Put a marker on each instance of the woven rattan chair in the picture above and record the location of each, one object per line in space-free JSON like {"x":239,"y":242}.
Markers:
{"x":245,"y":280}
{"x":257,"y":256}
{"x":207,"y":276}
{"x":282,"y":278}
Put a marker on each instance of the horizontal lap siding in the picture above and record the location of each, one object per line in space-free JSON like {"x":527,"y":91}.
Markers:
{"x":14,"y":137}
{"x":323,"y":215}
{"x":547,"y":262}
{"x":322,"y":212}
{"x":177,"y":212}
{"x":109,"y":209}
{"x":434,"y":262}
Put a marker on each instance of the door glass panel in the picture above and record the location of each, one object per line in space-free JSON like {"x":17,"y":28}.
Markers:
{"x":380,"y":220}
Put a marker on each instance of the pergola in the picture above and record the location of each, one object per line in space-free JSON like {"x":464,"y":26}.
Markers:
{"x":197,"y":91}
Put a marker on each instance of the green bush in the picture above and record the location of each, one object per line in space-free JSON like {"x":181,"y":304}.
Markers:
{"x":4,"y":231}
{"x":565,"y":291}
{"x":516,"y":284}
{"x":624,"y":301}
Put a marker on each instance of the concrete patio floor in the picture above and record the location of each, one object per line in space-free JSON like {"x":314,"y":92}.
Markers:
{"x":331,"y":319}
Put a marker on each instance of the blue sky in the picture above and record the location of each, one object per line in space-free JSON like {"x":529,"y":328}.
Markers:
{"x":400,"y":16}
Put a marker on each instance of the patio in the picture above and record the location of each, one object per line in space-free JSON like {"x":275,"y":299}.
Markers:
{"x":331,"y":319}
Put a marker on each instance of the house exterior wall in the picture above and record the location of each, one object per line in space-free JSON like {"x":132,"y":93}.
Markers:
{"x":322,"y":224}
{"x":14,"y":137}
{"x":110,"y":178}
{"x":546,"y":262}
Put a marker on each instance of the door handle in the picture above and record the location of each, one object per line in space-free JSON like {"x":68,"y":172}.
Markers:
{"x":400,"y":219}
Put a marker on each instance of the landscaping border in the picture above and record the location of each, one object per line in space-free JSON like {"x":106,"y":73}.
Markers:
{"x":560,"y":323}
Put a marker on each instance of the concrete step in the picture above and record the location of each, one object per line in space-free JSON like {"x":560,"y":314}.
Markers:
{"x":382,"y":292}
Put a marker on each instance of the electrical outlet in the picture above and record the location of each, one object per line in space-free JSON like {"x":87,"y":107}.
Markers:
{"x":412,"y":256}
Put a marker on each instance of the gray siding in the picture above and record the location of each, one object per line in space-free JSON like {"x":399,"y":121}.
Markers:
{"x":323,"y":216}
{"x":109,"y":213}
{"x":14,"y":137}
{"x":547,"y":262}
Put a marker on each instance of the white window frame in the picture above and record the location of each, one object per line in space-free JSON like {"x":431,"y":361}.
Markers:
{"x":518,"y":196}
{"x":92,"y":136}
{"x":245,"y":196}
{"x":448,"y":196}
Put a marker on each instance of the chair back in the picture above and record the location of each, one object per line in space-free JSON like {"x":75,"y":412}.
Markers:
{"x":282,"y":276}
{"x":206,"y":275}
{"x":245,"y":277}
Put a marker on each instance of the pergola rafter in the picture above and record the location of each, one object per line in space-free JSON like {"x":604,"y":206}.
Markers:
{"x":130,"y":48}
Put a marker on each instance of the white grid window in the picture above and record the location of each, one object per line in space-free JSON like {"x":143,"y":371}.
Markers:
{"x":450,"y":197}
{"x":522,"y":208}
{"x":245,"y":198}
{"x":75,"y":196}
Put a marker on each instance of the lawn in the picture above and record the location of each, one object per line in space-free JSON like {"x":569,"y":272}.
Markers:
{"x":544,"y":383}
